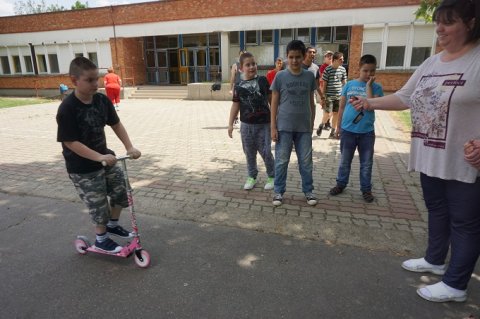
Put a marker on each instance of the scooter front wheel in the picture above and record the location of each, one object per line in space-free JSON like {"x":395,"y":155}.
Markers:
{"x":142,"y":258}
{"x":81,"y":246}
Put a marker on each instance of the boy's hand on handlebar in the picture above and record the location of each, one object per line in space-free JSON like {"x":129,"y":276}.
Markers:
{"x":134,"y":153}
{"x":108,"y":160}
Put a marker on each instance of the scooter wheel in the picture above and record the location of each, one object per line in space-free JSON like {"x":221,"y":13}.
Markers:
{"x":142,"y":258}
{"x":81,"y":246}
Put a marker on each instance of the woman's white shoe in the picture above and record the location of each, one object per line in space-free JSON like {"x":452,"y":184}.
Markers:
{"x":441,"y":292}
{"x":421,"y":265}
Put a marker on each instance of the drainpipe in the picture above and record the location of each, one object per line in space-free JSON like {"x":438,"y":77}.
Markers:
{"x":116,"y":48}
{"x":34,"y":59}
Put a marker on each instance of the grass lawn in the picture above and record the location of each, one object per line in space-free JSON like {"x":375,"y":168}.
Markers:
{"x":404,"y":119}
{"x":11,"y":102}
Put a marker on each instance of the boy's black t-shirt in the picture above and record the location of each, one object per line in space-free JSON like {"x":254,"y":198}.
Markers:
{"x":85,"y":123}
{"x":253,"y":98}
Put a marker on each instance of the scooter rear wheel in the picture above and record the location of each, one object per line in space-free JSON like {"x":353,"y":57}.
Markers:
{"x":142,"y":258}
{"x":81,"y":246}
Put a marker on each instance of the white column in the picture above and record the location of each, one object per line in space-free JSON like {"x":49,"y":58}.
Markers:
{"x":224,"y":50}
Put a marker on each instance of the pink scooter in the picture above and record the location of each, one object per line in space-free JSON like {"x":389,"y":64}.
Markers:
{"x":142,"y":257}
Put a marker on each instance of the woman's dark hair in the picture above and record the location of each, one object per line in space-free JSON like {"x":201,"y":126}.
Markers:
{"x":450,"y":11}
{"x":243,"y":56}
{"x":367,"y":59}
{"x":296,"y":45}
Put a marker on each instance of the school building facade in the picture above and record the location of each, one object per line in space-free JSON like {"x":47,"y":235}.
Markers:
{"x":176,"y":42}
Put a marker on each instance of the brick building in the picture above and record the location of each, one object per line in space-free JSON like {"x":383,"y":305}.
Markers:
{"x":184,"y":41}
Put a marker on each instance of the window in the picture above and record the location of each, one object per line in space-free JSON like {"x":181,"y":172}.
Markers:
{"x":286,"y":35}
{"x":303,"y":35}
{"x":194,"y":40}
{"x":213,"y":39}
{"x":17,"y":67}
{"x":5,"y":65}
{"x":267,"y":36}
{"x":395,"y":56}
{"x":324,"y":34}
{"x":92,"y":56}
{"x":419,"y":55}
{"x":149,"y":43}
{"x":251,"y":37}
{"x":53,"y":61}
{"x":41,"y":63}
{"x":28,"y":64}
{"x":342,"y":34}
{"x":234,"y":38}
{"x":78,"y":55}
{"x":373,"y":48}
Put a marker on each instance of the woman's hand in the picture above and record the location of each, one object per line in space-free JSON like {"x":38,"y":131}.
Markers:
{"x":274,"y":134}
{"x":360,"y":103}
{"x":472,"y":153}
{"x":230,"y":130}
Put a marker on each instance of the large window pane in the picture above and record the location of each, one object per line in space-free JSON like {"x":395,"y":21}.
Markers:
{"x":149,"y":43}
{"x":42,"y":63}
{"x":303,"y":35}
{"x":194,"y":40}
{"x":28,"y":64}
{"x":53,"y":61}
{"x":92,"y":56}
{"x":267,"y":36}
{"x":150,"y":59}
{"x":286,"y":35}
{"x":251,"y":37}
{"x":342,"y":34}
{"x":234,"y":38}
{"x":395,"y":56}
{"x":5,"y":65}
{"x":17,"y":67}
{"x":375,"y":49}
{"x":419,"y":55}
{"x":213,"y":39}
{"x":324,"y":34}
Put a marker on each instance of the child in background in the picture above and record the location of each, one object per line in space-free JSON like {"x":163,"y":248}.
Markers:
{"x":334,"y":78}
{"x":251,"y":99}
{"x":356,"y":129}
{"x":81,"y":119}
{"x":293,"y":115}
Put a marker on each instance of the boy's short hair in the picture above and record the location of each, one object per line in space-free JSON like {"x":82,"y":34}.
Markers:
{"x":367,"y":59}
{"x":337,"y":56}
{"x":80,"y":64}
{"x":296,"y":45}
{"x":243,"y":56}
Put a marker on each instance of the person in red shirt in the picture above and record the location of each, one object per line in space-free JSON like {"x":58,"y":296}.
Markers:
{"x":278,"y":67}
{"x":112,"y":84}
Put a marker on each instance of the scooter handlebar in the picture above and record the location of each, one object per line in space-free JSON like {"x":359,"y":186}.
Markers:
{"x":119,"y":158}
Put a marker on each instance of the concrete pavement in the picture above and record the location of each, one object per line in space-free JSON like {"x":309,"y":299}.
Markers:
{"x":191,"y":170}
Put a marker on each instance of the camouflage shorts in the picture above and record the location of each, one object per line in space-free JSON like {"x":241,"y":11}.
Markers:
{"x":97,"y":187}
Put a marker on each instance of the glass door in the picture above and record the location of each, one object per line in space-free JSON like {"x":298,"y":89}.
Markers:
{"x":162,"y":69}
{"x":183,"y":65}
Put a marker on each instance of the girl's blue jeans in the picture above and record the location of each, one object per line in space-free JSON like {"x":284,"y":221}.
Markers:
{"x":349,"y":142}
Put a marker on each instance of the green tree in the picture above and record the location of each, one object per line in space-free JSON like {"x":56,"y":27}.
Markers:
{"x":426,"y":9}
{"x":78,"y":5}
{"x":35,"y":6}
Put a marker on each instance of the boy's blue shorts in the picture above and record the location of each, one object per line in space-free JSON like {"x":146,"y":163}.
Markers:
{"x":97,"y":187}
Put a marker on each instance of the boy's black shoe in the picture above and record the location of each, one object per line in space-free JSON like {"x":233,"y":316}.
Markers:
{"x":319,"y":130}
{"x":332,"y":133}
{"x":108,"y":246}
{"x":327,"y":125}
{"x":119,"y":231}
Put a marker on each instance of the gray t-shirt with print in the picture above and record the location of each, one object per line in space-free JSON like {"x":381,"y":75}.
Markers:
{"x":294,"y":113}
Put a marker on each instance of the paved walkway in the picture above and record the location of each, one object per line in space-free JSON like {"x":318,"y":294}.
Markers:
{"x":191,"y":170}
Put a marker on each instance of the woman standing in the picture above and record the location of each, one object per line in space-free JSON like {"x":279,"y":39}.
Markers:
{"x":112,"y":84}
{"x":444,"y":98}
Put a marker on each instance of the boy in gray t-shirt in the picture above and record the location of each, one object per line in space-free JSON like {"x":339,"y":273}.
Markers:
{"x":293,"y":115}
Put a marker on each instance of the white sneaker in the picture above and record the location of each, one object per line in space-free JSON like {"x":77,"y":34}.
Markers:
{"x":421,"y":265}
{"x":269,"y":184}
{"x":277,"y":199}
{"x":311,"y":199}
{"x":441,"y":292}
{"x":250,"y":183}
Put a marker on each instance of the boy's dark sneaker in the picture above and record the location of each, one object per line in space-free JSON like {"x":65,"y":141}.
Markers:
{"x":368,"y":197}
{"x":332,"y":133}
{"x":119,"y":231}
{"x":327,"y":125}
{"x":108,"y":246}
{"x":336,"y":190}
{"x":319,"y":130}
